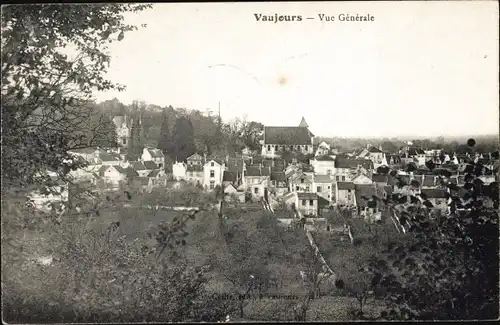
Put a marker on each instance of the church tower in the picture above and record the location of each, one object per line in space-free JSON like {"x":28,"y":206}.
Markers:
{"x":303,"y":123}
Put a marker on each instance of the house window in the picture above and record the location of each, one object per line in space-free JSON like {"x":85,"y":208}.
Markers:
{"x":343,"y":178}
{"x":212,"y":185}
{"x":307,"y":188}
{"x":212,"y":173}
{"x":328,"y":187}
{"x":297,"y":188}
{"x":337,"y":178}
{"x":307,"y":148}
{"x":349,"y":196}
{"x":328,"y":195}
{"x":302,"y":180}
{"x":303,"y":202}
{"x":256,"y":190}
{"x":268,"y":147}
{"x":328,"y":171}
{"x":124,"y":140}
{"x":318,"y":189}
{"x":212,"y":164}
{"x":276,"y":148}
{"x":160,"y":165}
{"x":311,"y":202}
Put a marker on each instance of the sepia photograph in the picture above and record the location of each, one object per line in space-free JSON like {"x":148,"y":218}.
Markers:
{"x":250,"y":162}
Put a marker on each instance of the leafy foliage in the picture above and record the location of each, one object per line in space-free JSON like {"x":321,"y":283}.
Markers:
{"x":45,"y":91}
{"x":450,"y":269}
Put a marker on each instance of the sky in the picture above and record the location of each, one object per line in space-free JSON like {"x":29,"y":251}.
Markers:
{"x":420,"y":68}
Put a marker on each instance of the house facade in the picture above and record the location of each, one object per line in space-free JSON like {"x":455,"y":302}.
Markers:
{"x":179,"y":170}
{"x":257,"y":181}
{"x":122,"y":130}
{"x":323,"y":187}
{"x":324,"y":165}
{"x":323,"y":149}
{"x":345,"y":193}
{"x":278,"y":139}
{"x":213,"y":172}
{"x":307,"y":203}
{"x":195,"y":159}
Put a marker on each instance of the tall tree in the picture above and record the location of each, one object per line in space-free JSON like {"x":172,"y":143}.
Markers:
{"x":183,"y":139}
{"x":164,"y":143}
{"x":45,"y":91}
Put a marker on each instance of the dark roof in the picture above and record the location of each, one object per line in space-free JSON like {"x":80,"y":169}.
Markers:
{"x":279,"y":163}
{"x":267,"y":163}
{"x":307,"y":196}
{"x":277,"y":169}
{"x":83,"y":151}
{"x":137,"y":165}
{"x":287,"y":135}
{"x":195,"y":157}
{"x":257,"y":171}
{"x":194,"y":168}
{"x":434,"y":193}
{"x":149,"y":164}
{"x":415,"y":151}
{"x":428,"y":180}
{"x":235,"y":164}
{"x":341,"y":162}
{"x":374,"y":150}
{"x":345,"y":185}
{"x":104,"y":156}
{"x":230,"y":176}
{"x":278,"y":176}
{"x":361,"y":191}
{"x":129,"y":171}
{"x":155,"y":153}
{"x":379,"y":178}
{"x":324,"y":158}
{"x":154,"y":173}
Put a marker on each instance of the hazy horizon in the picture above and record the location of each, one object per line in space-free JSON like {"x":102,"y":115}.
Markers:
{"x":425,"y":68}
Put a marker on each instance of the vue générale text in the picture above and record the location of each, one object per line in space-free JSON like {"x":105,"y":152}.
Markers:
{"x":276,"y":18}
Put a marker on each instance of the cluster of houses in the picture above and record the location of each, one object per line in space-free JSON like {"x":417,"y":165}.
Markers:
{"x":327,"y":179}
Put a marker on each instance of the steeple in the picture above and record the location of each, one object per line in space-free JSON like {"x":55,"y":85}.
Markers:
{"x":303,"y":123}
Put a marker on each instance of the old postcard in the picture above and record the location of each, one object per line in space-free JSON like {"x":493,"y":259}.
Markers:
{"x":245,"y":162}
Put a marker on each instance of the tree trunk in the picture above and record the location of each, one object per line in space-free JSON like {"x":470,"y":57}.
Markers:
{"x":241,"y":309}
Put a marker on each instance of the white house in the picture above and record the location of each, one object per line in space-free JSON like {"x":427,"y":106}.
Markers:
{"x":324,"y":165}
{"x":231,"y":192}
{"x":323,"y":149}
{"x":375,"y":155}
{"x":122,"y":129}
{"x":257,"y":180}
{"x":179,"y":170}
{"x":113,"y":175}
{"x":213,"y":172}
{"x":323,"y":186}
{"x":155,"y":155}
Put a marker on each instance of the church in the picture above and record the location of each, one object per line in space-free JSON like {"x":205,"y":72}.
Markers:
{"x":287,"y":138}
